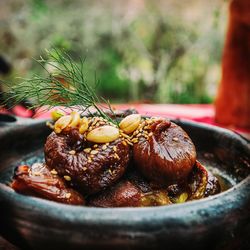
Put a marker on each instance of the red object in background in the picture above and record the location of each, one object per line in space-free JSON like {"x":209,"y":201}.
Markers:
{"x":22,"y":111}
{"x":233,"y":100}
{"x":18,"y":110}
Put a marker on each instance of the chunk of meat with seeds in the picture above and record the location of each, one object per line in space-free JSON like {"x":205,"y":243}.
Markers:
{"x":39,"y":181}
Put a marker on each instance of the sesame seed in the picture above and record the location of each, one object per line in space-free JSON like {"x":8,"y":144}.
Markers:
{"x":53,"y":171}
{"x":150,"y":134}
{"x":115,"y":148}
{"x":87,"y":150}
{"x":124,"y":143}
{"x":136,"y":132}
{"x":129,"y":143}
{"x":175,"y":139}
{"x":139,"y":135}
{"x":72,"y":152}
{"x":110,"y":171}
{"x":84,"y":168}
{"x":104,"y":147}
{"x":135,"y":140}
{"x":68,"y":195}
{"x":124,"y":135}
{"x":95,"y":146}
{"x":67,"y":177}
{"x":93,"y":152}
{"x":116,"y":156}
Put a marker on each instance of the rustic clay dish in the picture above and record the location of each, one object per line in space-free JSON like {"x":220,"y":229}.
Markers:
{"x":217,"y":222}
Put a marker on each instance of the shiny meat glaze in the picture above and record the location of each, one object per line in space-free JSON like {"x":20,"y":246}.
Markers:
{"x":159,"y":168}
{"x":88,"y":177}
{"x":37,"y":180}
{"x":134,"y":191}
{"x":166,"y":157}
{"x":123,"y":194}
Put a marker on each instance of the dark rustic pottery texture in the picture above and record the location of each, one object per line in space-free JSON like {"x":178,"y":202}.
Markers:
{"x":218,"y":222}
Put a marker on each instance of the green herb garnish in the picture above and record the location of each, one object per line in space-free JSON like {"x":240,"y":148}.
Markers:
{"x":49,"y":91}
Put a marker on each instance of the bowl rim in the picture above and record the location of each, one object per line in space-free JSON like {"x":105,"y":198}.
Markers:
{"x":221,"y":202}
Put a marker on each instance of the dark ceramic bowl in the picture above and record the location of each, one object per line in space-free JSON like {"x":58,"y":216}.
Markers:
{"x":217,"y":222}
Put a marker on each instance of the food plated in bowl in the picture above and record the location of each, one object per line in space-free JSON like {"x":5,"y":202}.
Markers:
{"x":144,"y":187}
{"x":216,"y":222}
{"x":136,"y":162}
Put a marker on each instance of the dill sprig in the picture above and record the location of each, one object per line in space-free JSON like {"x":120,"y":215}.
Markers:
{"x":49,"y":91}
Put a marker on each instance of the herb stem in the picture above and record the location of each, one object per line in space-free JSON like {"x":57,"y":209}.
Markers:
{"x":50,"y":91}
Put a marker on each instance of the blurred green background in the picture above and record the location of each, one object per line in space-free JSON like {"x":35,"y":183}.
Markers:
{"x":140,"y":51}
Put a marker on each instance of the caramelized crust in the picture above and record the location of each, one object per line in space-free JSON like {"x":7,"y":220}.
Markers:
{"x":136,"y":191}
{"x":37,"y":180}
{"x":124,"y":194}
{"x":90,"y":172}
{"x":166,"y":157}
{"x":91,"y":155}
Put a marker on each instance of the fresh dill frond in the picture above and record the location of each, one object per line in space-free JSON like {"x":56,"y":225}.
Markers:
{"x":65,"y":86}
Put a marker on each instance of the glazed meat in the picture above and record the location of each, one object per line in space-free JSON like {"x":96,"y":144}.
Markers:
{"x":132,"y":191}
{"x":128,"y":194}
{"x":202,"y":183}
{"x":136,"y":191}
{"x":39,"y":181}
{"x":167,"y":156}
{"x":139,"y":162}
{"x":89,"y":171}
{"x":123,"y":194}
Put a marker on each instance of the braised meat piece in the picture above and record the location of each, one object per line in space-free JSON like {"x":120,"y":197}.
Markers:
{"x":136,"y":191}
{"x":87,"y":169}
{"x":132,"y":191}
{"x":39,"y":181}
{"x":128,"y":194}
{"x":139,"y":162}
{"x":167,"y":156}
{"x":202,"y":183}
{"x":123,"y":194}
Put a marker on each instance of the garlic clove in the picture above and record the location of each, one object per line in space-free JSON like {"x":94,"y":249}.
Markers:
{"x":130,"y":123}
{"x":62,"y":123}
{"x":103,"y":134}
{"x":84,"y":124}
{"x":75,"y":119}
